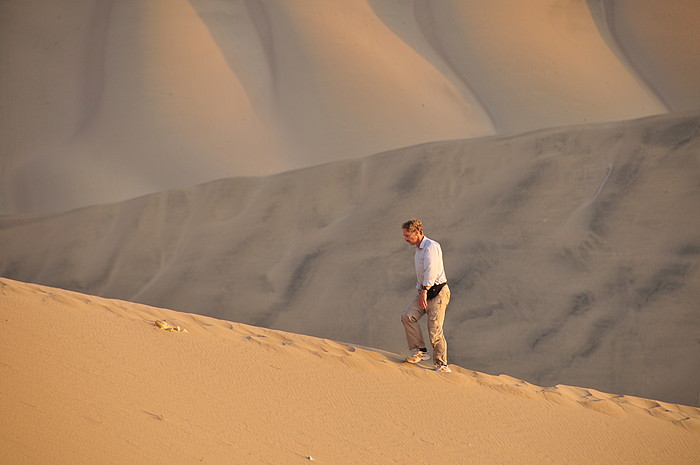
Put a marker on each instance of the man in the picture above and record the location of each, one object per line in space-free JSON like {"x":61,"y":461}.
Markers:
{"x":432,"y":298}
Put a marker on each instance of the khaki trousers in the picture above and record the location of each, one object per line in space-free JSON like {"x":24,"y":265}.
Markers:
{"x":436,"y":318}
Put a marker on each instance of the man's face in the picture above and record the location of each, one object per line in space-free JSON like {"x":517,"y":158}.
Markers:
{"x":412,"y":237}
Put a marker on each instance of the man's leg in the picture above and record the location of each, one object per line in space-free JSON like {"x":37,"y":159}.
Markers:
{"x":436,"y":318}
{"x":409,"y":318}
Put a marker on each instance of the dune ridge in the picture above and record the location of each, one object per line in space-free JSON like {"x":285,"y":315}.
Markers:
{"x":104,"y":101}
{"x":91,"y":379}
{"x":572,"y":253}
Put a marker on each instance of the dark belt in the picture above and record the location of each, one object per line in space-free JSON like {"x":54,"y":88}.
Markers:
{"x":435,"y":290}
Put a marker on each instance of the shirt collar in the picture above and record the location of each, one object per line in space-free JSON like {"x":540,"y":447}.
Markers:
{"x":423,"y":242}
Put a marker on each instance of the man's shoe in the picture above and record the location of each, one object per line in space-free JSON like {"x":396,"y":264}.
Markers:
{"x":418,"y":356}
{"x":443,"y":369}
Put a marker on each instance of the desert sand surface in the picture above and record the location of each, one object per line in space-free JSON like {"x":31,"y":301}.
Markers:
{"x":248,"y":163}
{"x":573,"y":254}
{"x":91,"y":380}
{"x":103,"y":101}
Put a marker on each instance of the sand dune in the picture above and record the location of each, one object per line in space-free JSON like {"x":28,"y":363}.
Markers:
{"x":310,"y":130}
{"x":91,"y":380}
{"x":103,"y":101}
{"x":572,"y":253}
{"x":650,"y":39}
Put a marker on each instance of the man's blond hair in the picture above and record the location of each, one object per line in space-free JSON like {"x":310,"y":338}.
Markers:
{"x":413,"y":224}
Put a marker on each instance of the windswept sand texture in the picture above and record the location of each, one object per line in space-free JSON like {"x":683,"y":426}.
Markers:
{"x":106,"y":100}
{"x":91,"y":380}
{"x":573,"y":254}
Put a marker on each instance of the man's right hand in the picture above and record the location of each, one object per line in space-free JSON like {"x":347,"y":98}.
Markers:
{"x":423,"y":299}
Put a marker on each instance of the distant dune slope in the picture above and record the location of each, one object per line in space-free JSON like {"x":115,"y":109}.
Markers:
{"x":572,"y":254}
{"x":103,"y":101}
{"x":658,"y":38}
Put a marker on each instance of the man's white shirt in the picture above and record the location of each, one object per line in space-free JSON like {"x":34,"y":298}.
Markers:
{"x":430,"y":270}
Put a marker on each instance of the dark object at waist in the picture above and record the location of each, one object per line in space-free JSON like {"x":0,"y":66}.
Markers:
{"x":435,"y":290}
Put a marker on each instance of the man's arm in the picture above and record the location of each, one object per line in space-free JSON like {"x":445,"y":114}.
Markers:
{"x":423,"y":299}
{"x":431,"y":265}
